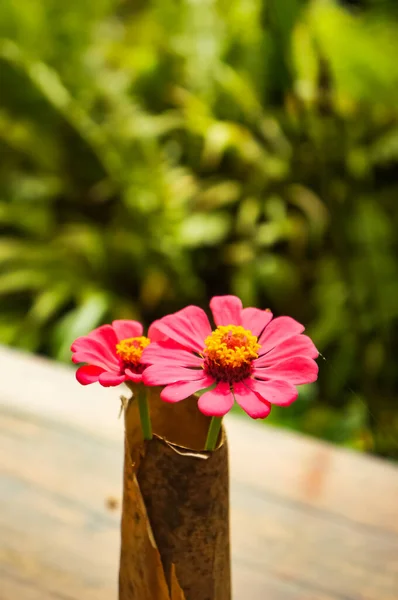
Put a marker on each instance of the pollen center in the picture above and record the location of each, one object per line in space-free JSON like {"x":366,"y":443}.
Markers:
{"x":131,"y":349}
{"x":228,"y":353}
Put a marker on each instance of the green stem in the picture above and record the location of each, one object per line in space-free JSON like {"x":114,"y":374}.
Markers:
{"x":214,"y":430}
{"x":144,"y":414}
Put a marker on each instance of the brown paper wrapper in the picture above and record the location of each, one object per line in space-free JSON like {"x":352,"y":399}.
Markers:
{"x":175,"y":522}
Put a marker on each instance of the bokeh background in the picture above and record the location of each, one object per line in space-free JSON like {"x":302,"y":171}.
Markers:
{"x":154,"y":153}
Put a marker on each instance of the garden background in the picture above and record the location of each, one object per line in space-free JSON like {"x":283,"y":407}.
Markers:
{"x":155,"y":153}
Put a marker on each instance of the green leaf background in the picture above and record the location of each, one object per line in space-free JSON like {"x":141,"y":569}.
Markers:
{"x":155,"y":154}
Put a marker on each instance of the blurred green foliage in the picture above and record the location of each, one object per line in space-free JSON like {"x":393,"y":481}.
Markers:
{"x":153,"y":154}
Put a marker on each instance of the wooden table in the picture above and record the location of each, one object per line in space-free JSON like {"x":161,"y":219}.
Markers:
{"x":309,"y":521}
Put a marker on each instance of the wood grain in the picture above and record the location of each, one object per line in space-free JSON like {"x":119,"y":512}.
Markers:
{"x":309,"y":521}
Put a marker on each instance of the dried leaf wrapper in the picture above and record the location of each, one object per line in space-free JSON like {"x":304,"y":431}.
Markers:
{"x":175,"y":523}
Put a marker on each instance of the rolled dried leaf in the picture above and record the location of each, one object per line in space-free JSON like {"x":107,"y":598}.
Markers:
{"x":175,"y":524}
{"x":141,"y":573}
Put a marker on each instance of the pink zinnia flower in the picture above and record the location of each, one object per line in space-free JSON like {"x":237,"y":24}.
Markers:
{"x":249,"y":356}
{"x":112,"y":354}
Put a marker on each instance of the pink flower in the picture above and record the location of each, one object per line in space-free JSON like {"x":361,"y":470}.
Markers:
{"x":249,"y":357}
{"x":112,"y":354}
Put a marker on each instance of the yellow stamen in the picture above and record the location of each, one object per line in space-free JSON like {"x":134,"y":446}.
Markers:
{"x":131,"y":349}
{"x":231,"y":346}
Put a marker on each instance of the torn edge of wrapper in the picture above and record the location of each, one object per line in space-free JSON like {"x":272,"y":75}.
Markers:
{"x":142,"y":576}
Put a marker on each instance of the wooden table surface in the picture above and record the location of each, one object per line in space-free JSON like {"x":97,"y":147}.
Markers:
{"x":309,"y":521}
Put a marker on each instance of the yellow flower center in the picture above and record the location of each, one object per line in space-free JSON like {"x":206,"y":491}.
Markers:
{"x":131,"y":349}
{"x":229,"y":351}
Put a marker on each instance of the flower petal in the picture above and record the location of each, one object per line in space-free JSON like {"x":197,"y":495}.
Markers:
{"x":277,"y":392}
{"x":154,"y":334}
{"x":125,"y":329}
{"x":94,"y":347}
{"x":164,"y":373}
{"x":296,"y":370}
{"x":88,"y":374}
{"x":279,"y":330}
{"x":298,"y":345}
{"x":94,"y":358}
{"x":189,"y":327}
{"x":217,"y":402}
{"x":226,"y":310}
{"x":179,"y":391}
{"x":255,"y":319}
{"x":250,"y":402}
{"x":105,"y":334}
{"x":166,"y":351}
{"x":108,"y":379}
{"x":103,"y":340}
{"x":136,"y":377}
